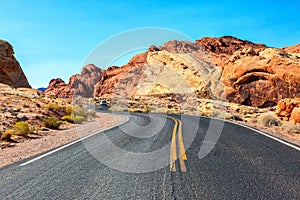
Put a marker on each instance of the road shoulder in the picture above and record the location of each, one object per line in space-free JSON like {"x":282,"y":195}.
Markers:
{"x":46,"y":141}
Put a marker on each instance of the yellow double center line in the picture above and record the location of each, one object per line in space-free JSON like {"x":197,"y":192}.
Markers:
{"x":173,"y":152}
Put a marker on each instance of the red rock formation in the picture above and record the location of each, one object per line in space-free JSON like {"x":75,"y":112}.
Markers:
{"x":82,"y":84}
{"x":289,"y":109}
{"x":220,"y":49}
{"x":115,"y":80}
{"x":294,"y":49}
{"x":261,"y":80}
{"x":252,"y":74}
{"x":11,"y":72}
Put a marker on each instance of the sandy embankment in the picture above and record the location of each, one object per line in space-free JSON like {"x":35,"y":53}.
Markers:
{"x":44,"y":141}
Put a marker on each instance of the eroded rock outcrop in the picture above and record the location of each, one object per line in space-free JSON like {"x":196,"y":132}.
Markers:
{"x":294,"y":49}
{"x":225,"y":68}
{"x":82,"y":84}
{"x":289,"y":109}
{"x":262,"y":79}
{"x":220,"y":49}
{"x":11,"y":72}
{"x":175,"y":68}
{"x":122,"y":81}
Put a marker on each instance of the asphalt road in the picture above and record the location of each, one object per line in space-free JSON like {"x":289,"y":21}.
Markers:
{"x":157,"y":157}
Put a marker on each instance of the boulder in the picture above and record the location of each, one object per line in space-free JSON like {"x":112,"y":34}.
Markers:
{"x":289,"y":109}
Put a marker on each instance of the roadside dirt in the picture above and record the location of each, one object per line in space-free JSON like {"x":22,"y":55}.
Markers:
{"x":46,"y":140}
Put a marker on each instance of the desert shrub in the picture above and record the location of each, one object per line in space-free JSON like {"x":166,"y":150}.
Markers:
{"x":54,"y":107}
{"x":34,"y":129}
{"x":91,"y":113}
{"x":21,"y":128}
{"x":76,"y":110}
{"x":51,"y":122}
{"x":79,"y":111}
{"x":292,"y":128}
{"x":69,"y":110}
{"x":147,"y":109}
{"x":77,"y":114}
{"x":73,"y":119}
{"x":7,"y":134}
{"x":269,"y":120}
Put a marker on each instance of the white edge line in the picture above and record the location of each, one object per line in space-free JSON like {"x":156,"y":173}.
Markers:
{"x":69,"y":144}
{"x":258,"y":131}
{"x":267,"y":135}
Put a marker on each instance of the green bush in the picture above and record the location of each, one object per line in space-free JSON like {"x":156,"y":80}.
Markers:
{"x":69,"y":110}
{"x":79,"y":111}
{"x":51,"y":122}
{"x":22,"y":128}
{"x":54,"y":107}
{"x":73,"y":119}
{"x":7,"y":134}
{"x":269,"y":120}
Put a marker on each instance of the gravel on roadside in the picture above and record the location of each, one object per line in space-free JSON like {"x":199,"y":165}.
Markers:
{"x":48,"y":140}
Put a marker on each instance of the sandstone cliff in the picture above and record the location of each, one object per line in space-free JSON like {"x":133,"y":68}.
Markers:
{"x":82,"y":84}
{"x":225,"y":68}
{"x":262,"y":79}
{"x":11,"y":72}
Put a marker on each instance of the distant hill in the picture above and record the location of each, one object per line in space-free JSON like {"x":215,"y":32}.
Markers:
{"x":42,"y":89}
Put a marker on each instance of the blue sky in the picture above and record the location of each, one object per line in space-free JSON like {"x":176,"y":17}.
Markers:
{"x":53,"y":38}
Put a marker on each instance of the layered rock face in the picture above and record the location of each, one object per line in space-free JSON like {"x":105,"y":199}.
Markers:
{"x":175,"y":68}
{"x":224,"y":68}
{"x":122,"y":81}
{"x":220,"y":49}
{"x":261,"y":79}
{"x":82,"y":84}
{"x":11,"y":72}
{"x":293,"y":49}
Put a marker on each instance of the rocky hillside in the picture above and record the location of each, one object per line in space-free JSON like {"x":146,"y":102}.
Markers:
{"x":11,"y":72}
{"x":26,"y":104}
{"x":220,"y":49}
{"x":261,"y":79}
{"x":82,"y":84}
{"x":226,"y":68}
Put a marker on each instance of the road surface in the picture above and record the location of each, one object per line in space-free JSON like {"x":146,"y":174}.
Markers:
{"x":243,"y":164}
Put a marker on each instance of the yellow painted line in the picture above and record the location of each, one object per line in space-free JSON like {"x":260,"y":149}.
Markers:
{"x":173,"y":155}
{"x":182,"y":165}
{"x":181,"y":144}
{"x":182,"y":154}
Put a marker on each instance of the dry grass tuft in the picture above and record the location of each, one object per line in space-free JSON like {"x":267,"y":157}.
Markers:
{"x":269,"y":120}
